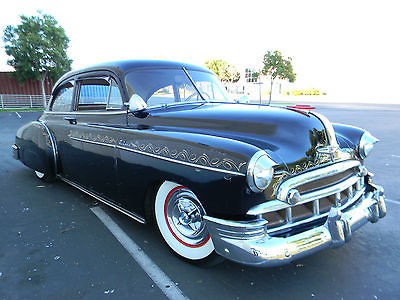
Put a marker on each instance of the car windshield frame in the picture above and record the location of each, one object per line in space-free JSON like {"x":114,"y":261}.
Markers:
{"x":174,"y":86}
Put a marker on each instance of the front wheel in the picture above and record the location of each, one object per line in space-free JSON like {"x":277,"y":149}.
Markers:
{"x":179,"y":217}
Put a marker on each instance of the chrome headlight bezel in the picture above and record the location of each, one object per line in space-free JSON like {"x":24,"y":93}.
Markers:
{"x":260,"y":171}
{"x":366,"y":144}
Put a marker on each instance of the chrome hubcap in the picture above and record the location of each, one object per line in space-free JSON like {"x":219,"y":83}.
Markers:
{"x":184,"y":214}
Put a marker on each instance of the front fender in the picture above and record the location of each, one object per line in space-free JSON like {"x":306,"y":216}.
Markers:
{"x":214,"y":168}
{"x":348,"y":136}
{"x":37,"y":147}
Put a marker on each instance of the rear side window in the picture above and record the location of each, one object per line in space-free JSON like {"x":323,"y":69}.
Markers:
{"x":63,"y":99}
{"x":99,"y":94}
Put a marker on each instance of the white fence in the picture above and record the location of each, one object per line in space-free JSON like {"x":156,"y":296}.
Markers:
{"x":22,"y":101}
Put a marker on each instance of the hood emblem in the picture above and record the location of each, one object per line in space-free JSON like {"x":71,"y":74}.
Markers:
{"x":329,"y":151}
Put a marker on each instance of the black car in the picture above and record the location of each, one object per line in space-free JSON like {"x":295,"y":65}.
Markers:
{"x":161,"y":142}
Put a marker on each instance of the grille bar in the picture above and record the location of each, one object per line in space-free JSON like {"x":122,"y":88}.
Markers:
{"x":275,"y":205}
{"x":314,"y":175}
{"x":318,"y":210}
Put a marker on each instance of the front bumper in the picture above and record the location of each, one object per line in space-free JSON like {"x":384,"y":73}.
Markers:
{"x":249,"y":243}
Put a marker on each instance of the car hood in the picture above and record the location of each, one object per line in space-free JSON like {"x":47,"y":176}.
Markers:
{"x":289,"y":136}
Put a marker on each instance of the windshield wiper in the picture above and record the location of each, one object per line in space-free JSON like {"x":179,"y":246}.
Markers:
{"x":193,"y":83}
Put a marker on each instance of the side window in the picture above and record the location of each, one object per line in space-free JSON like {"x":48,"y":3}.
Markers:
{"x":99,"y":94}
{"x":63,"y":100}
{"x":187,"y":92}
{"x":114,"y":99}
{"x":162,"y":96}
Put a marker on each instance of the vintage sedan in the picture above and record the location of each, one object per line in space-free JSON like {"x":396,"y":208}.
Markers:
{"x":160,"y":142}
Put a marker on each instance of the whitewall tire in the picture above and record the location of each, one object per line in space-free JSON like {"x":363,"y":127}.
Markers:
{"x":178,"y":215}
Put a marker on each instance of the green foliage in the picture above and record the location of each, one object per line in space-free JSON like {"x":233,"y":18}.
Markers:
{"x":225,"y":71}
{"x":37,"y":48}
{"x":277,"y":66}
{"x":307,"y":92}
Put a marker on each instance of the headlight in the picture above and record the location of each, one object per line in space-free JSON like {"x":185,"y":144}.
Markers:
{"x":260,"y":171}
{"x":366,"y":145}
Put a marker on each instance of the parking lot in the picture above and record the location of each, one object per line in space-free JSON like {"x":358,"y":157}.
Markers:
{"x":54,"y":246}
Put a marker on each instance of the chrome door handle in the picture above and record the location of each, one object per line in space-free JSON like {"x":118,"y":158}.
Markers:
{"x":71,"y":120}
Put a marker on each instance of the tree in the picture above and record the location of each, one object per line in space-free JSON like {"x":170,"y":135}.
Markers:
{"x":277,"y":66}
{"x":37,"y":48}
{"x":224,"y":70}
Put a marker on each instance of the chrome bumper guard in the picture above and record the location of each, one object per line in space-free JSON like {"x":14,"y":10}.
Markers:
{"x":248,"y":242}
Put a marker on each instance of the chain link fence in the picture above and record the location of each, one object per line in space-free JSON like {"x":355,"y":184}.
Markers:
{"x":22,"y":101}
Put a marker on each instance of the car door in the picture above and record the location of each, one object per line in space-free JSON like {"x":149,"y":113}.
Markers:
{"x":93,"y":134}
{"x":85,"y":117}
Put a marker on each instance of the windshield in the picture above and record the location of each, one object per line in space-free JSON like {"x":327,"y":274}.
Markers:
{"x":169,"y":86}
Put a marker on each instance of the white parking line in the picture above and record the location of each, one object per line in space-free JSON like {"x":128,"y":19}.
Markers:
{"x":19,"y":116}
{"x":392,"y":201}
{"x":167,"y":286}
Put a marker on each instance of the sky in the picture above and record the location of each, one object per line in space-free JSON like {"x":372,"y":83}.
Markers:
{"x":346,"y":48}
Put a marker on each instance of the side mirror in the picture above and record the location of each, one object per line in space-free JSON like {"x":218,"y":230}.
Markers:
{"x":136,"y":104}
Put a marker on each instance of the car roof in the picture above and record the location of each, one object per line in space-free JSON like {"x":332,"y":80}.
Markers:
{"x":123,"y":66}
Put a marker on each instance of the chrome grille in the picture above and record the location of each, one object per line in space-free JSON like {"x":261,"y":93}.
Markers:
{"x":339,"y":185}
{"x":283,"y":219}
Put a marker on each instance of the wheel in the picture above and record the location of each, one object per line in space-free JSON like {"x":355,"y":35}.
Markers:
{"x":44,"y":176}
{"x":179,"y":218}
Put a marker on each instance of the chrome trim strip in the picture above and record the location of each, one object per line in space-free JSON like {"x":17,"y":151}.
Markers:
{"x":109,"y":112}
{"x":181,"y":162}
{"x":330,"y":190}
{"x":105,"y":201}
{"x":266,"y":207}
{"x":330,"y":132}
{"x":93,"y":142}
{"x":159,"y":157}
{"x":310,"y":176}
{"x":243,"y":230}
{"x":53,"y":144}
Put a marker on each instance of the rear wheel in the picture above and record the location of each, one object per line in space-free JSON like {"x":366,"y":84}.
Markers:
{"x":179,"y":217}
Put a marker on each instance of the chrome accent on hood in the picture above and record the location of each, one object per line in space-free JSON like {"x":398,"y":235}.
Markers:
{"x":330,"y":132}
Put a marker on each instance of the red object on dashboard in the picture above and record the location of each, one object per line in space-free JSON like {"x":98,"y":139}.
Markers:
{"x":301,"y":107}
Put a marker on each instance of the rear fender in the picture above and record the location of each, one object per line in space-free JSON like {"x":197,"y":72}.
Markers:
{"x":37,"y":147}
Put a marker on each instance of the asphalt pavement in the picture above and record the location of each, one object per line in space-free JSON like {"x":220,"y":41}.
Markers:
{"x":53,"y":245}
